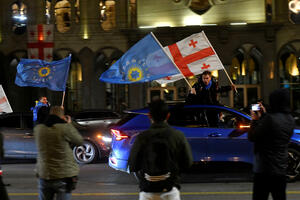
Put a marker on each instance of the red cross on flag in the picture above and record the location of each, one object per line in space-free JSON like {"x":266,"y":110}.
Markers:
{"x":40,"y":42}
{"x":192,"y":55}
{"x":4,"y":104}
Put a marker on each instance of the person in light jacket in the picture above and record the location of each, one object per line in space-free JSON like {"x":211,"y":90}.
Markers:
{"x":56,"y":167}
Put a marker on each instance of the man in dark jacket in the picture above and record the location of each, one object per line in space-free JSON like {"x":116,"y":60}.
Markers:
{"x":158,"y":169}
{"x":206,"y":89}
{"x":271,"y":133}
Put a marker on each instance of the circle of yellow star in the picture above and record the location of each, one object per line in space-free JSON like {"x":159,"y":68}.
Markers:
{"x":135,"y":73}
{"x":42,"y":72}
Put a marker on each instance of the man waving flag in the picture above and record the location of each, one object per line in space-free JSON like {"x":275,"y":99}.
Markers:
{"x":192,"y":55}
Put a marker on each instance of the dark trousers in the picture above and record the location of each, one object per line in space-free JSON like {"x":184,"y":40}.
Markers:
{"x":3,"y":192}
{"x":264,"y":184}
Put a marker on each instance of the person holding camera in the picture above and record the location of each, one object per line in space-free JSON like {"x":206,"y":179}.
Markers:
{"x":56,"y":168}
{"x":271,"y":132}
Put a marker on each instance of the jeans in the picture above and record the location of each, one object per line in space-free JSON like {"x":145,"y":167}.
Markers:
{"x":264,"y":184}
{"x":174,"y":194}
{"x":49,"y":188}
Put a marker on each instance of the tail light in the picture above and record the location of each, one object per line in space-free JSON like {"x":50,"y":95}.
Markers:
{"x":118,"y":134}
{"x":242,"y":126}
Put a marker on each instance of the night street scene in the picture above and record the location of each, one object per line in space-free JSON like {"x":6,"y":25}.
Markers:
{"x":149,"y":100}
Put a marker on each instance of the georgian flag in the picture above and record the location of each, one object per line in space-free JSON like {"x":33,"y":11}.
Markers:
{"x":192,"y":55}
{"x":4,"y":104}
{"x":40,"y":42}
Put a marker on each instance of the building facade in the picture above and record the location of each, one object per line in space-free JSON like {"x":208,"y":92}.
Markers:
{"x":256,"y":40}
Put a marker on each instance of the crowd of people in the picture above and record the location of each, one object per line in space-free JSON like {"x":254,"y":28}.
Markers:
{"x":160,"y":154}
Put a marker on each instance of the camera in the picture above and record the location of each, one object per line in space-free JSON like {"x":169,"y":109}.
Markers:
{"x":255,"y":107}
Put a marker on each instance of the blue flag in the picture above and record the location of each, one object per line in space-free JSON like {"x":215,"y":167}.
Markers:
{"x":39,"y":73}
{"x":143,"y":62}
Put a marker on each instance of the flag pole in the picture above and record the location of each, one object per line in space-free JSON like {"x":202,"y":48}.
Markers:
{"x":63,"y":99}
{"x":170,"y":59}
{"x":219,"y":60}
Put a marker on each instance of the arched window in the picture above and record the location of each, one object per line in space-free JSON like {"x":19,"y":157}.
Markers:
{"x":19,"y":17}
{"x":245,"y":73}
{"x":74,"y":85}
{"x":289,"y":71}
{"x":73,"y":99}
{"x":116,"y":94}
{"x":107,"y":14}
{"x":244,"y":67}
{"x":63,"y":15}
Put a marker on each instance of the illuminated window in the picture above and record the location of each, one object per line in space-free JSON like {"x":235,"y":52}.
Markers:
{"x":244,"y":67}
{"x":63,"y":15}
{"x":289,"y":68}
{"x":133,"y":13}
{"x":116,"y":95}
{"x":77,"y":11}
{"x":19,"y":17}
{"x":107,"y":14}
{"x":74,"y":85}
{"x":47,"y":11}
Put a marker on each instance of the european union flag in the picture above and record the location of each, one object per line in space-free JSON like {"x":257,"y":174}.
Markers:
{"x":143,"y":62}
{"x":39,"y":73}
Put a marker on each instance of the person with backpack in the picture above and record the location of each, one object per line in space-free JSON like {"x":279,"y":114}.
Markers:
{"x":159,"y":155}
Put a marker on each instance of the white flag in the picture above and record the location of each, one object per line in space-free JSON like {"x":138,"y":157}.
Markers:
{"x":4,"y":104}
{"x":192,"y":55}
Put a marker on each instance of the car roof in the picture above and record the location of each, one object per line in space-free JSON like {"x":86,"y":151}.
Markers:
{"x":4,"y":115}
{"x":145,"y":110}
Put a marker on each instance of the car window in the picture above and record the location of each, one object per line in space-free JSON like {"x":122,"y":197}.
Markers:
{"x":219,"y":118}
{"x":110,"y":115}
{"x":188,"y":117}
{"x":11,"y":121}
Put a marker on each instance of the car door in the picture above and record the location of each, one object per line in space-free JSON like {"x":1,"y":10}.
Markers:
{"x":191,"y":122}
{"x":13,"y":135}
{"x":227,"y":140}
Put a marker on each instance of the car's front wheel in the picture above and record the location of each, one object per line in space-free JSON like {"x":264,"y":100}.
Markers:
{"x":293,"y":169}
{"x":86,"y":153}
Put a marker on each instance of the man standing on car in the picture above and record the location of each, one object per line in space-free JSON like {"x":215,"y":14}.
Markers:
{"x":206,"y":89}
{"x":271,"y":133}
{"x":56,"y":168}
{"x":158,"y":169}
{"x":42,"y":102}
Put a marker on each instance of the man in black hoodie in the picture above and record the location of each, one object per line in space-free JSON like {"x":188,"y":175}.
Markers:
{"x":271,"y":133}
{"x":159,"y":155}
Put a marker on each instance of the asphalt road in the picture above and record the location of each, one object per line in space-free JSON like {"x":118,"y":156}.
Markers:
{"x":99,"y":181}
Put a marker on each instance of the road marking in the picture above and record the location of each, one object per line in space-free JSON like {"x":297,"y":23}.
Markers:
{"x":135,"y":193}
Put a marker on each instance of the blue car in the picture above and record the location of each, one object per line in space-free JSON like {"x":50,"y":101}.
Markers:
{"x":215,"y":133}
